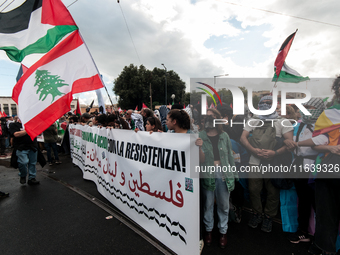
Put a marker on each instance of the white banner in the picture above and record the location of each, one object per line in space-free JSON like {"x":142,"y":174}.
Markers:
{"x":147,"y":177}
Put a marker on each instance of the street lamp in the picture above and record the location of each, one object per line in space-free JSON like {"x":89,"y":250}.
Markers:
{"x":218,"y":76}
{"x":215,"y":82}
{"x":165,"y":84}
{"x":173,"y":98}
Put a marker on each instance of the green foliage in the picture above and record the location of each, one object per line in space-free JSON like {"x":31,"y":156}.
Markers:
{"x":256,"y":101}
{"x":133,"y":86}
{"x":48,"y":84}
{"x":193,"y":98}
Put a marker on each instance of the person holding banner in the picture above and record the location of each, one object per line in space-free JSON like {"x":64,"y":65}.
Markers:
{"x":215,"y":155}
{"x":178,"y":121}
{"x":153,"y":124}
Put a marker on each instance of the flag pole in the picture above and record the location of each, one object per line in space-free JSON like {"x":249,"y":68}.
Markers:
{"x":96,"y":67}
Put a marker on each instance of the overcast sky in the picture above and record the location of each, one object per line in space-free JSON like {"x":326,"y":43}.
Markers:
{"x":202,"y":38}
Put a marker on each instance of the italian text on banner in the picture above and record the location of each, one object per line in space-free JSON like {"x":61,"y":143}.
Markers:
{"x":147,"y":177}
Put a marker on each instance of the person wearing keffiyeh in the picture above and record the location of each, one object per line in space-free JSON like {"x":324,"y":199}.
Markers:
{"x":262,"y":147}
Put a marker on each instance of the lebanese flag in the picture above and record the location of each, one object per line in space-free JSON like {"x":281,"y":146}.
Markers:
{"x":44,"y":92}
{"x":136,"y":108}
{"x":4,"y":114}
{"x":283,"y":52}
{"x":144,"y":106}
{"x":36,"y":26}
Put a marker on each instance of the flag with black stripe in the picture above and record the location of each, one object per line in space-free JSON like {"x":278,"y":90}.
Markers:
{"x":35,"y":26}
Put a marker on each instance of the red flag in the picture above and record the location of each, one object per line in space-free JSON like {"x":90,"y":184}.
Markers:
{"x":184,"y":106}
{"x":77,"y":110}
{"x":231,"y":106}
{"x":63,"y":125}
{"x":136,"y":108}
{"x":4,"y":114}
{"x":1,"y":115}
{"x":144,"y":106}
{"x":283,"y":52}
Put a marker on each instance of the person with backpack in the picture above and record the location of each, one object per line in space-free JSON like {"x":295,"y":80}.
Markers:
{"x":262,"y":146}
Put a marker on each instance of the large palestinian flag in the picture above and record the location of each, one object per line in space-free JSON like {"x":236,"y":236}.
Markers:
{"x":35,"y":26}
{"x":283,"y":72}
{"x":44,"y":92}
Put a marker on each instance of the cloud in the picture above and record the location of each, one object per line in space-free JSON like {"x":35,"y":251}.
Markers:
{"x":174,"y":33}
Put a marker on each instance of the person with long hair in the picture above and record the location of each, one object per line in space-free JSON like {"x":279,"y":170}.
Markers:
{"x":153,"y":124}
{"x":216,"y":152}
{"x":178,"y":121}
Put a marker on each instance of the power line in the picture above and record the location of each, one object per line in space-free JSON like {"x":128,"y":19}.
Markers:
{"x":283,"y":14}
{"x":129,"y":33}
{"x":71,"y":4}
{"x":134,"y":46}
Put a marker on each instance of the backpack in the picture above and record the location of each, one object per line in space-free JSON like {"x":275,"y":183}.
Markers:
{"x":264,"y":137}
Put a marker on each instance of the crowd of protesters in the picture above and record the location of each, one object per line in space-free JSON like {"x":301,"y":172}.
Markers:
{"x":295,"y":143}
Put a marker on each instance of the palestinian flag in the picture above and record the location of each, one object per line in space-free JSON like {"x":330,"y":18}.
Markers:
{"x":289,"y":75}
{"x":283,"y":52}
{"x":22,"y":70}
{"x":36,"y":26}
{"x":77,"y":110}
{"x":44,"y":92}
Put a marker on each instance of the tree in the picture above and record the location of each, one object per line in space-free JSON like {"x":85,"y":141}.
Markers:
{"x":133,"y":86}
{"x":256,"y":101}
